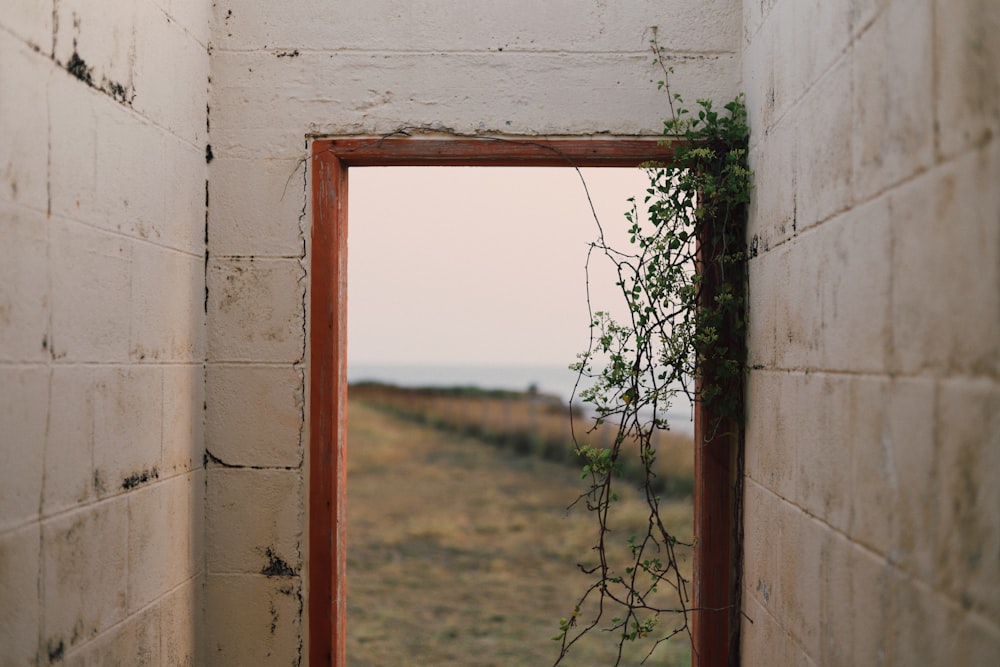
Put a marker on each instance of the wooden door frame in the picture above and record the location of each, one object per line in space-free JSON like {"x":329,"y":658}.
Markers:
{"x":712,"y":620}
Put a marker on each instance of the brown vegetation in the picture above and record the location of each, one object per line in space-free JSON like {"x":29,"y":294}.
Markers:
{"x":461,"y":553}
{"x":530,"y":423}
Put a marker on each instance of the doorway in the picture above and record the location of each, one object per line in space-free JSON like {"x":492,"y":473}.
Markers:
{"x":331,"y":162}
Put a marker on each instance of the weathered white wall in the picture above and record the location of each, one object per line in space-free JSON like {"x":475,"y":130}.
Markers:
{"x":872,"y":451}
{"x":873,"y":437}
{"x":102,"y":330}
{"x":282,"y":71}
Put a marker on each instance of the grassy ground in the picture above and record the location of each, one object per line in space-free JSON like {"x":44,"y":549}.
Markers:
{"x":533,"y":424}
{"x":461,"y":553}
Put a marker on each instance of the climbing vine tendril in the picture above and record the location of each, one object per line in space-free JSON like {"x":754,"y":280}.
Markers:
{"x":683,"y":280}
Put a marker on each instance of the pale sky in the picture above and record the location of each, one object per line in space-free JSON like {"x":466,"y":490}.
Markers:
{"x":479,"y":265}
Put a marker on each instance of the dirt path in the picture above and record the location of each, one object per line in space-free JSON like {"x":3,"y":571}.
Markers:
{"x":461,"y":554}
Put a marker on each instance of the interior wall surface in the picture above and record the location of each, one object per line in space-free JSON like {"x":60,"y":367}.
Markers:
{"x":284,"y":72}
{"x":872,"y":509}
{"x":102,"y":330}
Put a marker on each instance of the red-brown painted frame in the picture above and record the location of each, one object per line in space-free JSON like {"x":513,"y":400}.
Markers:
{"x":331,"y":160}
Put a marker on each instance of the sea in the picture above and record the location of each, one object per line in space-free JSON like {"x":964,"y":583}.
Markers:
{"x":554,"y":380}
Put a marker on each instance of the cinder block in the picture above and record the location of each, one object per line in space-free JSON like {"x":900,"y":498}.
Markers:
{"x":256,"y":206}
{"x":91,"y":282}
{"x":256,"y":520}
{"x":927,"y":627}
{"x":255,"y":310}
{"x":150,"y":545}
{"x":138,"y":179}
{"x":164,"y":542}
{"x":826,"y":433}
{"x":185,"y":199}
{"x":255,"y":415}
{"x":171,"y":71}
{"x":129,"y":193}
{"x":852,"y":254}
{"x":836,"y":625}
{"x":73,"y":149}
{"x":968,"y":464}
{"x":967,"y":104}
{"x":102,"y":39}
{"x":797,"y":274}
{"x":84,"y":560}
{"x":800,"y":548}
{"x":871,"y":584}
{"x":766,"y":642}
{"x":24,"y":286}
{"x":168,"y":296}
{"x":834,"y":310}
{"x":253,"y":620}
{"x":825,"y":123}
{"x":182,"y":624}
{"x":69,"y":445}
{"x":871,"y":463}
{"x":128,"y":417}
{"x":784,"y":85}
{"x":892,"y":121}
{"x":31,"y":21}
{"x":137,"y":642}
{"x":769,"y":72}
{"x":20,"y":617}
{"x":772,"y":430}
{"x":688,"y":25}
{"x":185,"y":499}
{"x":183,"y":417}
{"x":913,"y":477}
{"x":773,"y":205}
{"x":23,"y":115}
{"x":259,"y":88}
{"x":757,"y":79}
{"x":769,"y":305}
{"x":946,"y":266}
{"x":820,"y":37}
{"x":24,"y":412}
{"x":762,"y":537}
{"x":930,"y":629}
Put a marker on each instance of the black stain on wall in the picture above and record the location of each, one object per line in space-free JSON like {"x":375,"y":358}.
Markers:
{"x":138,"y":479}
{"x":78,"y":68}
{"x":118,"y":91}
{"x":99,"y":483}
{"x":56,"y":651}
{"x":276,"y":567}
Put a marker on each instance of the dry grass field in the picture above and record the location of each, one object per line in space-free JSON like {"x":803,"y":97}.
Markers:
{"x":531,"y":424}
{"x":462,"y":553}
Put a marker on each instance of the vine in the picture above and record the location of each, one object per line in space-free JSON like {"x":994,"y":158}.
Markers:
{"x":683,"y":280}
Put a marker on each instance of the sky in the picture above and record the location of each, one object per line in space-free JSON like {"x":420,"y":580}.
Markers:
{"x":479,"y":265}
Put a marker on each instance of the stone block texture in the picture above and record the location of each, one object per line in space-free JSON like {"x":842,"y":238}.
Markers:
{"x":872,"y":527}
{"x":280,"y":75}
{"x":155,"y":271}
{"x":102,"y":331}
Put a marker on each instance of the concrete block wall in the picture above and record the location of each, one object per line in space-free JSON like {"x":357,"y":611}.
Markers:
{"x":152,"y":357}
{"x":102,"y":330}
{"x":285,"y":71}
{"x":873,"y":437}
